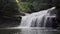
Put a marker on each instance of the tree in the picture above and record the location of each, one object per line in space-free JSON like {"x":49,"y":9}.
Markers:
{"x":8,"y":8}
{"x":38,"y":5}
{"x":9,"y":13}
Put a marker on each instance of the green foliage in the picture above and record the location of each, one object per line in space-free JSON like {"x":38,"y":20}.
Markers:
{"x":25,"y":5}
{"x":8,"y":9}
{"x":8,"y":13}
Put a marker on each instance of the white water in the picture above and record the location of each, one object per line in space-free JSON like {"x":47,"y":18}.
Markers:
{"x":38,"y":19}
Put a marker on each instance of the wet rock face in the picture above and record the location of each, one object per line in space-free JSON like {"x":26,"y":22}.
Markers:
{"x":4,"y":22}
{"x":58,"y":14}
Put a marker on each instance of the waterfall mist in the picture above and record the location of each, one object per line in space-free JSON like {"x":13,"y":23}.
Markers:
{"x":38,"y":19}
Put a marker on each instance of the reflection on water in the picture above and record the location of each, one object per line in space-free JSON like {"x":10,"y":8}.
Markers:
{"x":30,"y":31}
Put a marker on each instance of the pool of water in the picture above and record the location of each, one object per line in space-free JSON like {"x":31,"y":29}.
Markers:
{"x":33,"y":30}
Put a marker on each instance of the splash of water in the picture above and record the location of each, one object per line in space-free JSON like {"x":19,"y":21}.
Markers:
{"x":38,"y":19}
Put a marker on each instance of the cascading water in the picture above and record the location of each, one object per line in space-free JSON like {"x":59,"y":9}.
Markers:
{"x":38,"y":19}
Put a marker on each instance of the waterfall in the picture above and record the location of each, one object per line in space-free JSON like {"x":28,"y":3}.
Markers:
{"x":38,"y":19}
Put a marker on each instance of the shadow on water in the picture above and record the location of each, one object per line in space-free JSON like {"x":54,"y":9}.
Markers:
{"x":29,"y":31}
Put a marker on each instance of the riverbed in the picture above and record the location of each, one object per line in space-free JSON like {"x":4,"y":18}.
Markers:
{"x":29,"y":30}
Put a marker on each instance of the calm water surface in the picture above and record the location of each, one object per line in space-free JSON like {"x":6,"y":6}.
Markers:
{"x":29,"y":31}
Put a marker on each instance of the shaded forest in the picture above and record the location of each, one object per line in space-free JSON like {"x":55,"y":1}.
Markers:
{"x":11,"y":9}
{"x":28,"y":6}
{"x":34,"y":5}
